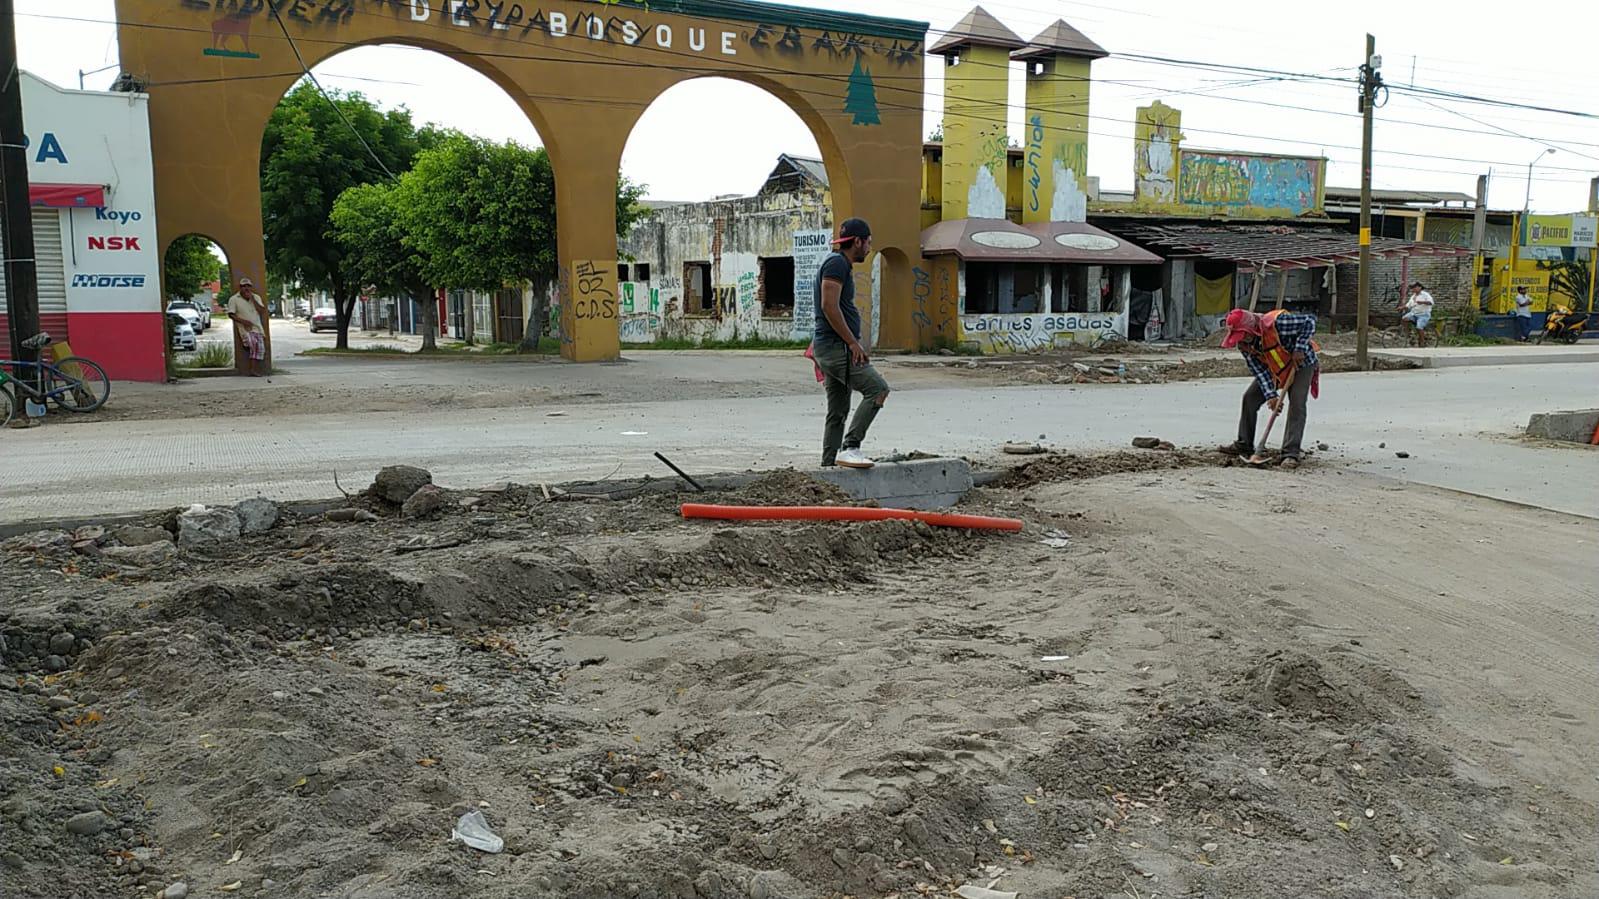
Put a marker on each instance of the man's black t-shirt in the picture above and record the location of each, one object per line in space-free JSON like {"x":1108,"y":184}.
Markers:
{"x":837,"y":267}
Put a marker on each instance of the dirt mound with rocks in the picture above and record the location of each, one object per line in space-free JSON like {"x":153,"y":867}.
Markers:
{"x":1054,"y":467}
{"x":641,"y":706}
{"x":786,"y":487}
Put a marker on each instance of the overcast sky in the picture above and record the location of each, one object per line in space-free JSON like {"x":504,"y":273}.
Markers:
{"x":711,"y":137}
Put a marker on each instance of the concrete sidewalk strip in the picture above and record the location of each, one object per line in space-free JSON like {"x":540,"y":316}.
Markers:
{"x":1507,"y":354}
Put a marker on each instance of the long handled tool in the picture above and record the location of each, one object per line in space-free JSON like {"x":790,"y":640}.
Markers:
{"x":1259,"y":458}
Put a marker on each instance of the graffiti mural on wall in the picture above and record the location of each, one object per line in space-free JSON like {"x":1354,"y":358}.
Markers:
{"x":1290,"y":184}
{"x":640,"y":328}
{"x":1033,"y":333}
{"x":1158,"y":134}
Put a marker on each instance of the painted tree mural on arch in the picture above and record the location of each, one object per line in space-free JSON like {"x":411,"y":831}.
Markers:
{"x":861,"y":101}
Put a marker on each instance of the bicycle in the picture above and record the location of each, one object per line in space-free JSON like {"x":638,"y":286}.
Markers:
{"x":74,"y":383}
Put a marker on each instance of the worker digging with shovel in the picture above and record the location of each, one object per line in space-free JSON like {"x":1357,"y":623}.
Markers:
{"x":1281,"y":354}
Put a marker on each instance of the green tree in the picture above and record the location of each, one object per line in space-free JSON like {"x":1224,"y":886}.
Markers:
{"x":309,"y":156}
{"x":481,"y":216}
{"x":1571,"y":278}
{"x":368,"y":223}
{"x":189,"y":266}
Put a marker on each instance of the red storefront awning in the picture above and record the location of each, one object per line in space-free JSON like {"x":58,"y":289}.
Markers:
{"x":67,"y":196}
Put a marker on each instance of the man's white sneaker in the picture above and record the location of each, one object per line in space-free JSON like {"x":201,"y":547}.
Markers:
{"x":854,"y":458}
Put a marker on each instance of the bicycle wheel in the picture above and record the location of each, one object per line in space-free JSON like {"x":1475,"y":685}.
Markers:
{"x":8,"y":406}
{"x":83,"y":385}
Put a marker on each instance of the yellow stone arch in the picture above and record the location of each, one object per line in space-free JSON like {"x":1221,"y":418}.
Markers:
{"x":583,"y":72}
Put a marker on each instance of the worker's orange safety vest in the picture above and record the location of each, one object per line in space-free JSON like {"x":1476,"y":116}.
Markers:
{"x":1278,"y":360}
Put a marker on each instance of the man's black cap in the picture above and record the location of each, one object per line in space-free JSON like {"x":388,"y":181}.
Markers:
{"x":851,"y":230}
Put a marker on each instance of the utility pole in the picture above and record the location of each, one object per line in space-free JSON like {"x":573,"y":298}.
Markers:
{"x":22,"y":280}
{"x":1479,"y":233}
{"x":1370,"y":80}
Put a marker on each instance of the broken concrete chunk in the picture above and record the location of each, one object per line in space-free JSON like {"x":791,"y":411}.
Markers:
{"x":200,"y":526}
{"x":426,"y":502}
{"x":349,"y":515}
{"x":132,"y":535}
{"x":143,"y":556}
{"x":1146,"y":442}
{"x":396,"y":483}
{"x":257,"y":515}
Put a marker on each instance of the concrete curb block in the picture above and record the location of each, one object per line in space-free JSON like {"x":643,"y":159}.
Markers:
{"x":1573,"y":426}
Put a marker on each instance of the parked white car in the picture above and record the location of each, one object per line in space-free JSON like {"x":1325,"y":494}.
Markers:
{"x":183,"y":337}
{"x":189,"y":313}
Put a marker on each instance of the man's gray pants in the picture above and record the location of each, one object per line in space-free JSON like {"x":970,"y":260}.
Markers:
{"x":840,"y":377}
{"x":1298,"y":402}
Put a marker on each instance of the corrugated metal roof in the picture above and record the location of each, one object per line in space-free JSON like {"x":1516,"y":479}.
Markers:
{"x":1276,"y":246}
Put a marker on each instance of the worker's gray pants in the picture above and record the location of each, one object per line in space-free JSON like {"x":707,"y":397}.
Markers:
{"x":1298,"y":401}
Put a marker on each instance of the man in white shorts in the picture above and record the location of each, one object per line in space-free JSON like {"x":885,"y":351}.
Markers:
{"x":1418,"y":310}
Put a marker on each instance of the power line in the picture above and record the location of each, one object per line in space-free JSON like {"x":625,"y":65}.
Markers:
{"x":342,"y":117}
{"x":724,"y":72}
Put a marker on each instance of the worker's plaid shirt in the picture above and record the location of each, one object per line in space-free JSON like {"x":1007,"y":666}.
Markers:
{"x":1295,"y":331}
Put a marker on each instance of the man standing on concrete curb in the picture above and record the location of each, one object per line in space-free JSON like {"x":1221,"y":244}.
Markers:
{"x":1523,"y":314}
{"x":1281,"y":355}
{"x":247,"y":312}
{"x":839,"y":353}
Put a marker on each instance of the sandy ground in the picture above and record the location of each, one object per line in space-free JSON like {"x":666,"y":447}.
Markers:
{"x":1227,"y":683}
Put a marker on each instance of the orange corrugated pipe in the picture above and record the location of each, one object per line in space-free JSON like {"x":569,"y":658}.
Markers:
{"x":847,"y":513}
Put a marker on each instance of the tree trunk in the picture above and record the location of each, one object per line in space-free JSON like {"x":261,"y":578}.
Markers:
{"x":538,"y":320}
{"x":430,"y":318}
{"x":344,"y":310}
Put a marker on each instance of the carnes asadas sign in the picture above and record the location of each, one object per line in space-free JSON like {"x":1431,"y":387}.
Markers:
{"x":901,"y":45}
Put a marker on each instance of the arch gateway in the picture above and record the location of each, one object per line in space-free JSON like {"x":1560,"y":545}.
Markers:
{"x":582,"y":71}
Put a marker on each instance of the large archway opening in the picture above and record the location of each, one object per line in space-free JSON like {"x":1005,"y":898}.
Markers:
{"x":407,"y":205}
{"x":739,"y":214}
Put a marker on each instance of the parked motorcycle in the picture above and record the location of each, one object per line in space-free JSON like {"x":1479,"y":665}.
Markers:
{"x":1563,"y":326}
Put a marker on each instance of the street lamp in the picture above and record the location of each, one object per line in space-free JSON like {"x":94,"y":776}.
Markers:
{"x":1526,"y":206}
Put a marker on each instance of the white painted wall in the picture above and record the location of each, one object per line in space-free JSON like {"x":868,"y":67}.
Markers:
{"x":90,"y":137}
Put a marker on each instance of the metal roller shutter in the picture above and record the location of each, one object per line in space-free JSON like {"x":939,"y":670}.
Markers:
{"x":50,"y":264}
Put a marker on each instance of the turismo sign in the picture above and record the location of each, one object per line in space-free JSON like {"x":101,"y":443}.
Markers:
{"x":1560,"y":231}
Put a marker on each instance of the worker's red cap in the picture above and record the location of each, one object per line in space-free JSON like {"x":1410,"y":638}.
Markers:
{"x":1241,"y":323}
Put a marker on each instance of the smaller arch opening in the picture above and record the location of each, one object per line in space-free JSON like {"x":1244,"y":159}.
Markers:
{"x":196,"y":283}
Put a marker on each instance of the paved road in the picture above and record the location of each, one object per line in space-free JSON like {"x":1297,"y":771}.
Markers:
{"x":290,"y":337}
{"x":1457,"y":424}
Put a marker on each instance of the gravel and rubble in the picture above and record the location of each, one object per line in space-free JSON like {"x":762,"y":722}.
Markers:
{"x":646,"y":707}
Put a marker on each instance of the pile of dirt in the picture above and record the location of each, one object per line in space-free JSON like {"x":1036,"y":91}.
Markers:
{"x":1076,"y":467}
{"x":786,"y":487}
